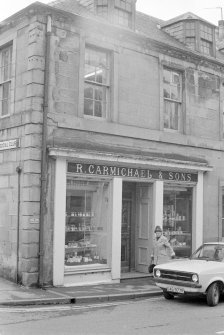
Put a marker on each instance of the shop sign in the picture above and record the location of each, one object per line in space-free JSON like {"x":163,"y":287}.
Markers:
{"x":130,"y":172}
{"x":11,"y":144}
{"x":34,"y":220}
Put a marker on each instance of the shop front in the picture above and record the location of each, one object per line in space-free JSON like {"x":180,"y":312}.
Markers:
{"x":105,"y":214}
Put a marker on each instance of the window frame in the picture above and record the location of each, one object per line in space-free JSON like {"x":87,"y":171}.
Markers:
{"x":87,"y":185}
{"x":102,"y":8}
{"x":123,"y":14}
{"x":5,"y":80}
{"x":173,"y":102}
{"x":106,"y":87}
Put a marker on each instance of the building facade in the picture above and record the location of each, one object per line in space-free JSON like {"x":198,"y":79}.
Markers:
{"x":111,"y":122}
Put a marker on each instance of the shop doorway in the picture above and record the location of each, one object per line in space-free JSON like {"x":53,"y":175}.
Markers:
{"x":136,"y":230}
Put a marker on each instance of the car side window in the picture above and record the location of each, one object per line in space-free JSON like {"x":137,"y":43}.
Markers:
{"x":219,"y":254}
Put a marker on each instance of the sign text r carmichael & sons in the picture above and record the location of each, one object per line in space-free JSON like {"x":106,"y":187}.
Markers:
{"x":130,"y":172}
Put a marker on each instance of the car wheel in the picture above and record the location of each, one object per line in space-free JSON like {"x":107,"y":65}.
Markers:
{"x":213,"y":295}
{"x":168,"y":295}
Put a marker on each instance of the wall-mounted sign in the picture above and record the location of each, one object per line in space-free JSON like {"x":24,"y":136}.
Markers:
{"x":130,"y":172}
{"x":10,"y":144}
{"x":34,"y":220}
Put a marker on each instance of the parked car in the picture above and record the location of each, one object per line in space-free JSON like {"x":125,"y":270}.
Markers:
{"x":201,"y":274}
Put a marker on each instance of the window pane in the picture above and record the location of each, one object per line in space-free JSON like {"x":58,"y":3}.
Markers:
{"x":88,"y":92}
{"x":122,"y":17}
{"x":98,"y":94}
{"x":88,"y":107}
{"x":5,"y":99}
{"x":166,"y":76}
{"x":166,"y":91}
{"x":176,"y":78}
{"x":96,"y":72}
{"x":190,"y":41}
{"x":102,"y":2}
{"x":177,"y":219}
{"x":5,"y":76}
{"x":175,"y":92}
{"x":174,"y":117}
{"x":86,"y":236}
{"x":6,"y":63}
{"x":171,"y":115}
{"x":123,"y":4}
{"x":90,"y":72}
{"x":206,"y":32}
{"x":206,"y":47}
{"x":98,"y":109}
{"x":172,"y":93}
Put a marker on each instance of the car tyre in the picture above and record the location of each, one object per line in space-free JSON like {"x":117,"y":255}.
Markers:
{"x":213,"y":295}
{"x":168,"y":295}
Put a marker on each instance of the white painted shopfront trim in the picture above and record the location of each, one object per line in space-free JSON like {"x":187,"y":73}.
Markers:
{"x":157,"y":203}
{"x":84,"y":275}
{"x":63,"y":276}
{"x":116,"y":228}
{"x":197,"y":219}
{"x":72,"y":154}
{"x":59,"y":221}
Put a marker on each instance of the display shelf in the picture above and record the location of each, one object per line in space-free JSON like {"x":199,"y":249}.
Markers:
{"x":70,"y":263}
{"x":68,"y":249}
{"x":84,"y":230}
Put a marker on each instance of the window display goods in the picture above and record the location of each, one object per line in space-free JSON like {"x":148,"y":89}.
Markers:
{"x":86,"y":223}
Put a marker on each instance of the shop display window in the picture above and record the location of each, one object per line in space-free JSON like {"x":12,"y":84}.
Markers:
{"x":177,"y":219}
{"x":87,"y":224}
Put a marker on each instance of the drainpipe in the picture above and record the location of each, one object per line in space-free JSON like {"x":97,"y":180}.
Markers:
{"x":18,"y":170}
{"x":43,"y":192}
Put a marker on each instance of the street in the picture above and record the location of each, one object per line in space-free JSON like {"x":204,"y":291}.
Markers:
{"x":154,"y":316}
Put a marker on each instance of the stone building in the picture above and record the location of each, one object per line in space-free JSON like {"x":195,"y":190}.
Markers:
{"x":111,"y":122}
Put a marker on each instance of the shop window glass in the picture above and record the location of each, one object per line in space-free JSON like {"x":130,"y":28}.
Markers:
{"x":87,"y":223}
{"x":177,"y":219}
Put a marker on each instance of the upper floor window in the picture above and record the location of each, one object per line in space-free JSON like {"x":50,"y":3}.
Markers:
{"x":196,"y":34}
{"x":190,"y":41}
{"x":102,"y":7}
{"x":190,"y":29}
{"x":123,"y":12}
{"x":206,"y":47}
{"x":190,"y":35}
{"x":96,"y":86}
{"x":206,"y":40}
{"x":172,"y":95}
{"x":5,"y":79}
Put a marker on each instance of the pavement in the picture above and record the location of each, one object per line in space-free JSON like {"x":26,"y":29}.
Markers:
{"x":12,"y":294}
